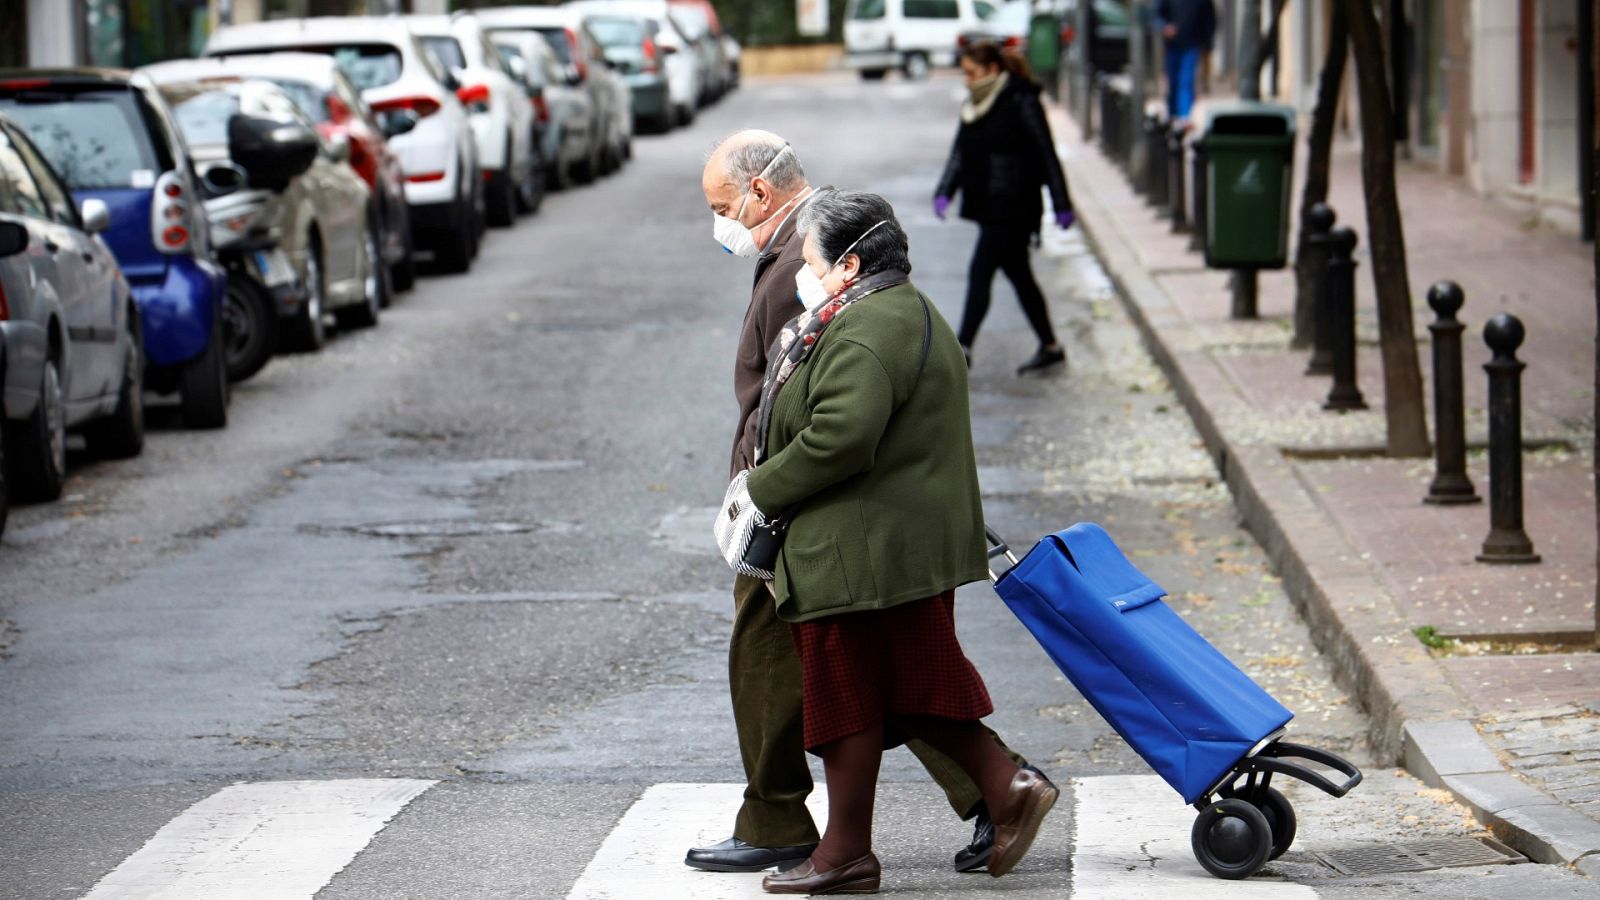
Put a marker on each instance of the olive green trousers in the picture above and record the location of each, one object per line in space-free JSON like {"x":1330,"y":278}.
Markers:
{"x":765,"y":680}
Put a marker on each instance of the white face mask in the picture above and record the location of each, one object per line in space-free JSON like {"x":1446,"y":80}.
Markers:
{"x":734,"y":236}
{"x":809,"y":288}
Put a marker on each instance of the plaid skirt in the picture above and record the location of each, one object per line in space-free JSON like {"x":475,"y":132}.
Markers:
{"x":866,"y":668}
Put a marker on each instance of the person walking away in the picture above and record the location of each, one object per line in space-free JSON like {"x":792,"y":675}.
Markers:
{"x":865,"y":438}
{"x":1187,"y":27}
{"x":754,"y":184}
{"x":1003,"y":154}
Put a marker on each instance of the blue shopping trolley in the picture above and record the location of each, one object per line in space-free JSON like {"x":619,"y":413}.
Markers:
{"x":1202,"y":724}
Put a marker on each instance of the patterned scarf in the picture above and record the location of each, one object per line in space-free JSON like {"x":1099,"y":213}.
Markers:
{"x":795,"y":341}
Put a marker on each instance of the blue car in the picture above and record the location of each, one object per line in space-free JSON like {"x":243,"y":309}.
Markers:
{"x":112,"y":138}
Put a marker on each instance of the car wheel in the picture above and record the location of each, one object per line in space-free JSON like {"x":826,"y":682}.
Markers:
{"x":916,"y":66}
{"x":5,"y":486}
{"x":249,"y":327}
{"x":530,"y":193}
{"x":561,"y":173}
{"x":403,"y":274}
{"x":37,"y":451}
{"x":307,"y":332}
{"x":203,"y":385}
{"x":502,"y":196}
{"x":589,"y":169}
{"x":686,"y":114}
{"x":365,"y":313}
{"x":121,"y":434}
{"x":873,"y":74}
{"x":453,"y":252}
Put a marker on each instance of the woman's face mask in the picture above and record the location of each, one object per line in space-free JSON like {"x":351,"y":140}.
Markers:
{"x":813,"y":290}
{"x":736,"y":237}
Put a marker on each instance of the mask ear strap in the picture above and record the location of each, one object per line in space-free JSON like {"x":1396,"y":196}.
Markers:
{"x":854,"y":243}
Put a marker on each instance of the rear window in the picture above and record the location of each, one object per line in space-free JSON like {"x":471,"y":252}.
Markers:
{"x":557,"y":38}
{"x":93,"y":139}
{"x":932,"y":9}
{"x":203,"y":117}
{"x":867,"y":9}
{"x":447,"y":50}
{"x":310,"y":98}
{"x":366,"y":65}
{"x":617,"y":32}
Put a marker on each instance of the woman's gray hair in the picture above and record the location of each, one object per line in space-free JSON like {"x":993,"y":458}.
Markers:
{"x":745,"y":162}
{"x":838,"y":218}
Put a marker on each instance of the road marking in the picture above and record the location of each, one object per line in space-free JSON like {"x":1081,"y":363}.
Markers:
{"x":1132,"y":843}
{"x":283,"y":839}
{"x":643,"y":855}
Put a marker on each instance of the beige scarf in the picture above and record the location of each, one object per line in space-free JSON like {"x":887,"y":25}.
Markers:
{"x":984,"y":92}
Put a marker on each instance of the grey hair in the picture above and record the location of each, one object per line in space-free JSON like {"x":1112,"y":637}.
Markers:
{"x":838,"y":218}
{"x":745,"y":162}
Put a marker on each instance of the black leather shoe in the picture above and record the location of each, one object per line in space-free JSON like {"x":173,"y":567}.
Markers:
{"x":1042,"y":360}
{"x":734,"y":855}
{"x":975,"y":855}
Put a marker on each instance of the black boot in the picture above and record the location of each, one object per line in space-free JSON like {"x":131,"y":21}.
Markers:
{"x":1043,"y":359}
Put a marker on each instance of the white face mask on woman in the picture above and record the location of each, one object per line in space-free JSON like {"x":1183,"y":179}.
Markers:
{"x":734,"y":236}
{"x":809,"y":288}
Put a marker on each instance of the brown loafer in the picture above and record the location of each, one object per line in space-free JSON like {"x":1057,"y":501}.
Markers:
{"x":859,"y":876}
{"x":1030,"y":799}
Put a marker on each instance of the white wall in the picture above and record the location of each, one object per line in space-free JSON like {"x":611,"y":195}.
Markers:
{"x":1556,"y":169}
{"x":1495,"y":142}
{"x":53,"y":33}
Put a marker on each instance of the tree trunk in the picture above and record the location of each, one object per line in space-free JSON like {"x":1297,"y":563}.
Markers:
{"x":1386,"y":242}
{"x":1319,"y":158}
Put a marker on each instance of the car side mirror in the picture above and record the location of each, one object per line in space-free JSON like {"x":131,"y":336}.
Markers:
{"x":13,"y":238}
{"x":222,"y":179}
{"x":272,"y":151}
{"x":339,"y":148}
{"x":96,"y":215}
{"x":397,"y":122}
{"x":450,"y":81}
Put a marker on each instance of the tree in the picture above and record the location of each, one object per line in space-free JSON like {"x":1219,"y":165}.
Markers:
{"x":1405,"y":417}
{"x":1319,"y":156}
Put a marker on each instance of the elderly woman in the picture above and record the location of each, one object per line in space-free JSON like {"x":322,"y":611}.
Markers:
{"x":867,"y":438}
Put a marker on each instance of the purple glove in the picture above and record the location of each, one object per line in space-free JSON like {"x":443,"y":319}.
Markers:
{"x":941,"y":205}
{"x":1065,"y":219}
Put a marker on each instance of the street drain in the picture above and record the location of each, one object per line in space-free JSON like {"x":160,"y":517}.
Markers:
{"x":445,"y":528}
{"x":1419,"y":856}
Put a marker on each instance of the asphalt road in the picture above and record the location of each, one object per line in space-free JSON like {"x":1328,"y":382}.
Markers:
{"x":471,"y":547}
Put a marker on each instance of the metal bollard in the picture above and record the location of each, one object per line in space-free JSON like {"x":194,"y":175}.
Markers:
{"x":1176,"y":194}
{"x":1102,"y":87}
{"x":1450,"y":482}
{"x":1320,"y":219}
{"x":1155,"y":130}
{"x":1201,"y":225}
{"x":1340,"y":294}
{"x":1507,"y":542}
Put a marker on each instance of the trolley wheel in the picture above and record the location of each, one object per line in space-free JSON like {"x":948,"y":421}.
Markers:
{"x":1280,"y":818}
{"x":1231,"y":839}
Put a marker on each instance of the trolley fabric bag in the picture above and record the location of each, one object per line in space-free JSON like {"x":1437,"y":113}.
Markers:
{"x":1183,"y":706}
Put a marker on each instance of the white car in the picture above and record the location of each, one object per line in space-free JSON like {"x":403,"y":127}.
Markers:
{"x":427,"y":125}
{"x":497,"y":105}
{"x":683,"y":64}
{"x":909,"y":35}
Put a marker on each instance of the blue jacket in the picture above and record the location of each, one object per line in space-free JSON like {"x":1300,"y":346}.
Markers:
{"x":1196,"y":21}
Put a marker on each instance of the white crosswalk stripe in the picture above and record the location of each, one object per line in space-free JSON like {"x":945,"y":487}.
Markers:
{"x":279,"y":839}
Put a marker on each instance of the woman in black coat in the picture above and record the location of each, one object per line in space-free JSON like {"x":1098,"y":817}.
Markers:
{"x":1003,"y":154}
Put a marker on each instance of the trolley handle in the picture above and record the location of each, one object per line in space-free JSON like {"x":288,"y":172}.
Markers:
{"x":998,"y":548}
{"x":1275,"y":759}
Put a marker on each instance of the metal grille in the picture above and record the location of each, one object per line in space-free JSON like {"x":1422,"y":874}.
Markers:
{"x":1419,"y":856}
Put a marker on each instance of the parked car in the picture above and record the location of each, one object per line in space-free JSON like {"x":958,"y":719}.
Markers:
{"x":69,"y":331}
{"x":316,"y":211}
{"x":909,"y":35}
{"x":564,"y":119}
{"x":679,"y":59}
{"x":497,"y":106}
{"x":698,"y":22}
{"x":732,"y":50}
{"x":629,"y":45}
{"x":112,"y":137}
{"x":416,"y":102}
{"x":586,"y":68}
{"x":1011,"y":23}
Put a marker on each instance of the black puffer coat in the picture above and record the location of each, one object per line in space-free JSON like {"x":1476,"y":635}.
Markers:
{"x":1000,"y":161}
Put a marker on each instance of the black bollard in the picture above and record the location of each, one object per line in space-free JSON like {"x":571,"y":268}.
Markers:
{"x":1102,"y":86}
{"x":1341,"y":297}
{"x":1175,"y":190}
{"x":1155,"y":141}
{"x":1320,"y":219}
{"x":1507,"y":541}
{"x":1200,"y":220}
{"x":1450,"y":482}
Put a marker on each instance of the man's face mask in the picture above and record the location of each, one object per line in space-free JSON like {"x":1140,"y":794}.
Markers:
{"x":734,"y":236}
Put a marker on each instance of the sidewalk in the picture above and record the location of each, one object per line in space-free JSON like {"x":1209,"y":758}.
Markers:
{"x":1506,"y":711}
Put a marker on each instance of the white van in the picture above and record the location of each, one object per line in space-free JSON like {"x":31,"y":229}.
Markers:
{"x":910,"y":35}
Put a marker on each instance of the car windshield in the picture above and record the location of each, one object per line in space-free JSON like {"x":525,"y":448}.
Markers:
{"x":447,"y":50}
{"x":93,"y":139}
{"x":617,"y":32}
{"x":866,"y":9}
{"x":202,"y":113}
{"x":366,"y":65}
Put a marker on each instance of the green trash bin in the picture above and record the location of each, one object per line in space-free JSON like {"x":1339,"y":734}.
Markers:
{"x":1249,"y":153}
{"x":1044,"y":42}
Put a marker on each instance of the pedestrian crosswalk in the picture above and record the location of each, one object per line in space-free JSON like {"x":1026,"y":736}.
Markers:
{"x":1111,"y":838}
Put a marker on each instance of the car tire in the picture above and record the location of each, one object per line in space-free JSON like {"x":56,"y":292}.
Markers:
{"x":873,"y":74}
{"x":307,"y":331}
{"x":36,"y":448}
{"x":686,"y":115}
{"x":530,"y":194}
{"x":365,"y":314}
{"x":5,"y":485}
{"x":403,"y":274}
{"x":121,"y":434}
{"x":203,"y":385}
{"x":916,"y":66}
{"x":453,"y":252}
{"x":249,"y":327}
{"x":502,"y":197}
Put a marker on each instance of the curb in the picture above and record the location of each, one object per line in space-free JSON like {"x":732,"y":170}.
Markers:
{"x":1418,"y":717}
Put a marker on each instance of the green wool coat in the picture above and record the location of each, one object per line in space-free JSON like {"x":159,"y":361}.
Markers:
{"x":881,"y":456}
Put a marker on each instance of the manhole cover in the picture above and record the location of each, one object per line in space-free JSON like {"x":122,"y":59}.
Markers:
{"x":445,"y":528}
{"x":1419,"y":856}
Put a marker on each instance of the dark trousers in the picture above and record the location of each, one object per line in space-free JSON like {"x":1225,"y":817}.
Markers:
{"x":1183,"y":69}
{"x":1003,"y":247}
{"x":765,"y":680}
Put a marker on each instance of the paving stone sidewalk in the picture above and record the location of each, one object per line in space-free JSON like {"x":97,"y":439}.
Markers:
{"x":1509,"y":698}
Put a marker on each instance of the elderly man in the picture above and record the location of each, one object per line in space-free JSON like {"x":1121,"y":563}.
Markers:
{"x":754,"y":184}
